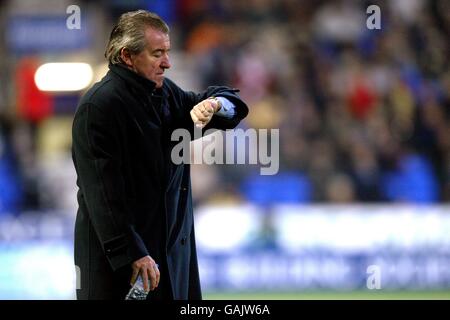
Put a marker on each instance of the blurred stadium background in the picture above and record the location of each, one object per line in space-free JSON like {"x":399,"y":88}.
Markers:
{"x":363,"y":115}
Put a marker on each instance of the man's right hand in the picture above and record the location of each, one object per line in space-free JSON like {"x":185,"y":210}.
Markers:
{"x":148,"y":269}
{"x":202,"y":112}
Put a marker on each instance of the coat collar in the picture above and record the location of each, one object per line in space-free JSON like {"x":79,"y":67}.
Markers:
{"x":133,"y":78}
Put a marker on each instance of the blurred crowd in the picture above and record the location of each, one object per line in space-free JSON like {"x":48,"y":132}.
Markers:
{"x":363,"y":115}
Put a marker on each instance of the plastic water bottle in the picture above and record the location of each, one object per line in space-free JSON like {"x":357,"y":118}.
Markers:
{"x":137,"y":291}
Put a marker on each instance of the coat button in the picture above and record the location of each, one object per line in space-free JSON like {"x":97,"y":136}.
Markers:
{"x":183,"y":241}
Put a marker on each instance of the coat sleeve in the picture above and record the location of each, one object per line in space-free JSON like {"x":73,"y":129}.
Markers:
{"x":188,"y":99}
{"x":97,"y":157}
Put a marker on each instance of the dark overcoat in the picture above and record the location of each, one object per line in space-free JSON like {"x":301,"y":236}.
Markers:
{"x":133,"y":200}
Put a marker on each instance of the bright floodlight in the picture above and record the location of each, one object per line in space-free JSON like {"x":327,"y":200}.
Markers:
{"x":63,"y":76}
{"x":226,"y":229}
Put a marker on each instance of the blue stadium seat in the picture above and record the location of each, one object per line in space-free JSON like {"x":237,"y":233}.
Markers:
{"x":285,"y":187}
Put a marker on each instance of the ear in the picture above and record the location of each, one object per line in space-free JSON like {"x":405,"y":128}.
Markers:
{"x":125,"y":55}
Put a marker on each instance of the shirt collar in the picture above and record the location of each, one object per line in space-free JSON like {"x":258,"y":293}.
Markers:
{"x":133,"y":78}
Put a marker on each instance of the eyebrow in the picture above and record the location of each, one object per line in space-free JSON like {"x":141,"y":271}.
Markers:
{"x":160,"y":50}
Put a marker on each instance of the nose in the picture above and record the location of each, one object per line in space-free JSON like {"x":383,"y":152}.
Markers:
{"x":165,"y":63}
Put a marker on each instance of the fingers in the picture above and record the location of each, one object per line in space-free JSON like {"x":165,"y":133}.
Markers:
{"x":154,"y":275}
{"x":208,"y":107}
{"x":198,"y":123}
{"x":148,"y":269}
{"x":158,"y":274}
{"x":144,"y":276}
{"x":194,"y":116}
{"x":134,"y":275}
{"x":201,"y":117}
{"x":202,"y":113}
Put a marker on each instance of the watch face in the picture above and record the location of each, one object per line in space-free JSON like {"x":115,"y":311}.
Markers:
{"x":219,"y":104}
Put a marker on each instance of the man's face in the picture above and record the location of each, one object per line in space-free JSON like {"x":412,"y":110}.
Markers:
{"x":154,"y":59}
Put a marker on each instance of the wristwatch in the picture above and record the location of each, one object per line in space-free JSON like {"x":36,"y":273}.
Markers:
{"x":218,"y":103}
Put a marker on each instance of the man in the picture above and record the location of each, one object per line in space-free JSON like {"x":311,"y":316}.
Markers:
{"x":135,"y":205}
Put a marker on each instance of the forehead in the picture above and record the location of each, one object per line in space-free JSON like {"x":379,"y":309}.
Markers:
{"x":157,"y":39}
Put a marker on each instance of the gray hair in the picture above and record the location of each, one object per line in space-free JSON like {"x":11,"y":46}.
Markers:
{"x":129,"y":33}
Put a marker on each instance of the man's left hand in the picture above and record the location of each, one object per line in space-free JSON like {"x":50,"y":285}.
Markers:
{"x":202,"y":112}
